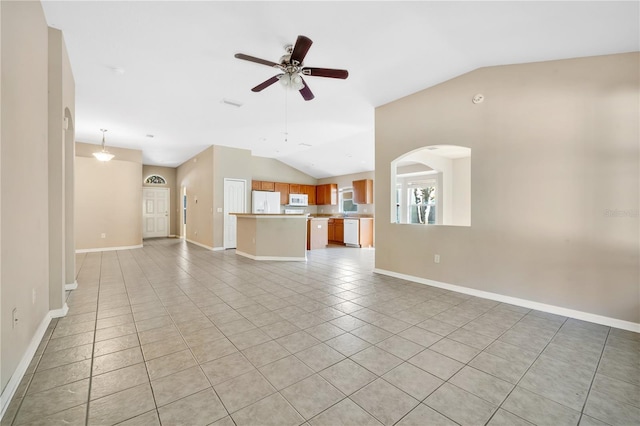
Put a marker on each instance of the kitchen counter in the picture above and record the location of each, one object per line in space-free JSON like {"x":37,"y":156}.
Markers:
{"x":317,"y":233}
{"x":271,"y":236}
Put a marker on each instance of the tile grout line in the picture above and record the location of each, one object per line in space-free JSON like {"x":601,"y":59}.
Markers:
{"x":593,"y":379}
{"x":93,"y":348}
{"x":124,"y":282}
{"x":528,"y":368}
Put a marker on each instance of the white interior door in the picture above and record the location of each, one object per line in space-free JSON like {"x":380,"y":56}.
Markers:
{"x":235,"y":195}
{"x":155,"y":212}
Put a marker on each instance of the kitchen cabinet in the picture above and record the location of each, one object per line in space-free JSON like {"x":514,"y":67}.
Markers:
{"x":262,"y":185}
{"x":331,"y":230}
{"x":338,"y":230}
{"x":317,"y":235}
{"x":310,"y":190}
{"x":327,"y":194}
{"x":294,"y":188}
{"x":366,"y":232}
{"x":363,"y":191}
{"x":283,"y":189}
{"x":267,"y":186}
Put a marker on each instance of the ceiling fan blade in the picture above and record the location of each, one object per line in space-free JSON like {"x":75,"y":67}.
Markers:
{"x":300,"y":49}
{"x":266,"y":83}
{"x":326,"y":72}
{"x":256,"y":60}
{"x":306,"y":92}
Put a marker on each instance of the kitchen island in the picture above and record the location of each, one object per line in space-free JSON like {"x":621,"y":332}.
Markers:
{"x":272,"y":236}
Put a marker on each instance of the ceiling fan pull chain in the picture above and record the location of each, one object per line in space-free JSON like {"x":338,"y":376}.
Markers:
{"x":286,"y":128}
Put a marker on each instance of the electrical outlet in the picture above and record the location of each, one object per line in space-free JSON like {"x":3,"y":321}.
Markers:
{"x":14,"y":317}
{"x":436,"y":258}
{"x":103,"y":235}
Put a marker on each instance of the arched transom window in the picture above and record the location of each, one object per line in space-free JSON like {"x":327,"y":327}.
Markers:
{"x":155,"y":180}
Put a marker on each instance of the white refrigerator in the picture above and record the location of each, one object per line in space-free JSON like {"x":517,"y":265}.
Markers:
{"x":263,"y":202}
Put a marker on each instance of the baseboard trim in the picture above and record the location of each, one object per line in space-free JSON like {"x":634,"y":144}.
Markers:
{"x":219,"y":249}
{"x":94,"y":250}
{"x":276,"y":258}
{"x":72,"y":286}
{"x":59,"y":313}
{"x":199,"y":244}
{"x":558,"y":310}
{"x":19,"y":372}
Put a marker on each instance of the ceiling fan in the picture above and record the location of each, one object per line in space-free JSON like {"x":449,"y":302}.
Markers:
{"x":293,"y":69}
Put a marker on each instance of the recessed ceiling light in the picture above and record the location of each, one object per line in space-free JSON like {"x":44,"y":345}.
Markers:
{"x":150,"y":135}
{"x":118,"y":70}
{"x":304,"y":144}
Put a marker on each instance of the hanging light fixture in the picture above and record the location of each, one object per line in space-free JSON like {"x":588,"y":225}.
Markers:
{"x":103,"y":155}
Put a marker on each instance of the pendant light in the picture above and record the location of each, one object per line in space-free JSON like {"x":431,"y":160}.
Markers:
{"x":103,"y":155}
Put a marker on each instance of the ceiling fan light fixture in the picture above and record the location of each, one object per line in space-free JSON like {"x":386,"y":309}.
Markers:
{"x":291,"y":80}
{"x":103,"y":155}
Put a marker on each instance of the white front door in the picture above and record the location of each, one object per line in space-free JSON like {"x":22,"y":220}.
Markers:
{"x":155,"y":212}
{"x":234,"y":202}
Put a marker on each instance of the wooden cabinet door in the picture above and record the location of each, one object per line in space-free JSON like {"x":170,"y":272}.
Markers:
{"x":339,"y":230}
{"x":268,"y":186}
{"x":363,"y":191}
{"x":310,"y":190}
{"x":294,"y":188}
{"x":366,"y":232}
{"x":331,"y":230}
{"x":256,"y":185}
{"x":320,"y":195}
{"x":327,"y":194}
{"x":283,"y":189}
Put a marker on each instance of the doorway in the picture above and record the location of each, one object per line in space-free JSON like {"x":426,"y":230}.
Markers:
{"x":155,"y":212}
{"x":234,"y":202}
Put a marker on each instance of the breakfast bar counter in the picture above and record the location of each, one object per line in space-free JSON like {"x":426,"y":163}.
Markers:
{"x":272,"y":236}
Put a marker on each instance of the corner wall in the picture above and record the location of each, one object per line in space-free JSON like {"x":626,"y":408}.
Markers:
{"x":231,"y":163}
{"x":24,"y":167}
{"x":108,"y":199}
{"x":196,"y":174}
{"x":554,"y":183}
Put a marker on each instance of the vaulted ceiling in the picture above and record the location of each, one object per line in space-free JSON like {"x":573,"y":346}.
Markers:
{"x":156,"y":73}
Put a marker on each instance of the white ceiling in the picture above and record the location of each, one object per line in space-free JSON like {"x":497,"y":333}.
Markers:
{"x":178,"y":65}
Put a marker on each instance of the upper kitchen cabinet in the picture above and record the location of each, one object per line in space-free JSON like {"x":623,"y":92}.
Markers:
{"x":294,"y":188}
{"x":268,"y":186}
{"x":363,"y":191}
{"x":261,"y":185}
{"x":283,"y":189}
{"x":327,"y":194}
{"x":310,"y":190}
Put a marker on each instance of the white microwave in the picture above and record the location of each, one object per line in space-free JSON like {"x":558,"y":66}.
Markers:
{"x":298,"y":200}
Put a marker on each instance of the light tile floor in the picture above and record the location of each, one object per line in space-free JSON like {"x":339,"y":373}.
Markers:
{"x":173,"y":334}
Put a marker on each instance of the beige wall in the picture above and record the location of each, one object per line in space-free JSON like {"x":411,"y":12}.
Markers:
{"x":555,"y":145}
{"x":108,"y":198}
{"x":61,"y":105}
{"x":23,"y":168}
{"x":461,"y":191}
{"x":228,"y":163}
{"x":169,"y":174}
{"x":346,"y":181}
{"x":196,"y":174}
{"x":270,"y":169}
